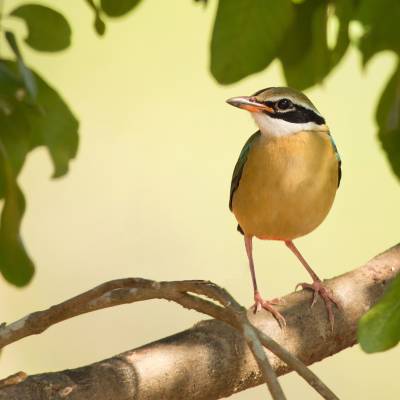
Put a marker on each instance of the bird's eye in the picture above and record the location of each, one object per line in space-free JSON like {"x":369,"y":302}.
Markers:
{"x":284,"y":104}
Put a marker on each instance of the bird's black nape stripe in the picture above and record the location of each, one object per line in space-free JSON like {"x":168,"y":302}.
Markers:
{"x":300,"y":115}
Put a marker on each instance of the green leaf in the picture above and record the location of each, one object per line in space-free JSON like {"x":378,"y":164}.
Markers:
{"x":9,"y":81}
{"x":12,"y":89}
{"x":23,"y":127}
{"x":99,"y":25}
{"x":304,"y":53}
{"x":54,"y":126}
{"x":117,"y":8}
{"x":379,"y":328}
{"x":344,"y":11}
{"x":388,"y":119}
{"x":381,"y":22}
{"x":15,"y":264}
{"x":48,"y":30}
{"x":50,"y":124}
{"x":15,"y":138}
{"x":246,"y":36}
{"x":25,"y":72}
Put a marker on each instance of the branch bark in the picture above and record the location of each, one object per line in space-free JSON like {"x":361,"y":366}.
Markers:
{"x":182,"y":292}
{"x":213,"y":349}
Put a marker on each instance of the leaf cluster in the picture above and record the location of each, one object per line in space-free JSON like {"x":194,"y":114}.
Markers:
{"x":33,"y":114}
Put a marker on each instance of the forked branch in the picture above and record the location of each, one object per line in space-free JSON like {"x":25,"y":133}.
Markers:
{"x":223,"y":364}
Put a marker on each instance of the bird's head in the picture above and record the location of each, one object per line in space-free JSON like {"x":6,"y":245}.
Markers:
{"x":280,"y":111}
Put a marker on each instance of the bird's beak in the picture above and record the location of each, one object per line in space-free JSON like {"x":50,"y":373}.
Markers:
{"x":249,"y":103}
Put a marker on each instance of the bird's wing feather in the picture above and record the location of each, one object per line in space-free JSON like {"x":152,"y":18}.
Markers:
{"x":237,"y":172}
{"x":338,"y":159}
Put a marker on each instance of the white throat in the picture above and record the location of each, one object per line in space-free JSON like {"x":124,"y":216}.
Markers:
{"x":279,"y":127}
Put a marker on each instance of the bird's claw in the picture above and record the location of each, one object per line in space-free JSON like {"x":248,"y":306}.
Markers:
{"x":260,"y":303}
{"x":326,"y":294}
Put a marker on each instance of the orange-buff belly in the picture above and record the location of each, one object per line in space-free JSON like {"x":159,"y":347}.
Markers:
{"x":287,"y":186}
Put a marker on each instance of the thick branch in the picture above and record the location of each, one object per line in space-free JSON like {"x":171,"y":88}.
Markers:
{"x":211,"y":360}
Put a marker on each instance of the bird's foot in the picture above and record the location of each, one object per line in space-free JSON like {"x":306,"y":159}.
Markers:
{"x":326,"y":294}
{"x":260,"y":303}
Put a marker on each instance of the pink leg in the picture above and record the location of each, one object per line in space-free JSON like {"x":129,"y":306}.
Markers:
{"x":259,"y":302}
{"x":317,"y":285}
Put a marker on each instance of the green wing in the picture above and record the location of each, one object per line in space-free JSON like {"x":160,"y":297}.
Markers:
{"x":237,"y":172}
{"x":337,"y":157}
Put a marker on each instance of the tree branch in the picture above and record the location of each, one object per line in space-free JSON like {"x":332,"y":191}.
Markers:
{"x":133,"y":289}
{"x":222,"y":361}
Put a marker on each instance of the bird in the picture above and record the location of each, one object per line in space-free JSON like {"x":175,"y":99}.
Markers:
{"x":285,"y":180}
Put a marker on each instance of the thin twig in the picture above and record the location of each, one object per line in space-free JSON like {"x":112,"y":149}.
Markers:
{"x":297,"y":365}
{"x":253,"y":341}
{"x":129,"y":290}
{"x":241,"y":322}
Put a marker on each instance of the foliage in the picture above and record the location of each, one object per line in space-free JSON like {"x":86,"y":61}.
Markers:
{"x":41,"y":20}
{"x":245,"y":39}
{"x":118,"y":8}
{"x":248,"y":35}
{"x":33,"y":114}
{"x":25,"y":125}
{"x":379,"y":328}
{"x":388,"y":119}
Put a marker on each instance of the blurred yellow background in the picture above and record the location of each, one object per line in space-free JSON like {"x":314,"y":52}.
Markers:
{"x":148,"y":193}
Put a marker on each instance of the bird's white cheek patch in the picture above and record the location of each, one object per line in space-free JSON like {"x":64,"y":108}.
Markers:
{"x":278,"y":127}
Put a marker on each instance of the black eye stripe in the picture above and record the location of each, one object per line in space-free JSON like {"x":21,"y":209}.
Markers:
{"x":297,"y":114}
{"x":278,"y":107}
